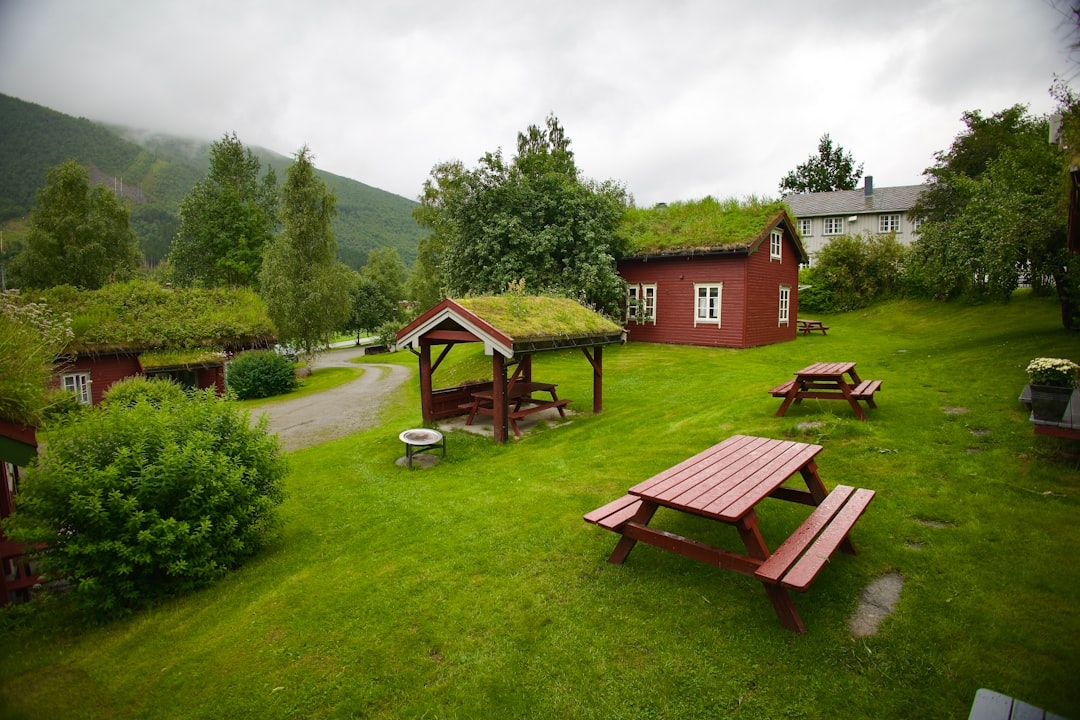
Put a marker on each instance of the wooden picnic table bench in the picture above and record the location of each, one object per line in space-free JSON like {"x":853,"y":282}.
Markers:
{"x":725,"y":483}
{"x":809,"y":326}
{"x":827,"y":381}
{"x":521,"y":400}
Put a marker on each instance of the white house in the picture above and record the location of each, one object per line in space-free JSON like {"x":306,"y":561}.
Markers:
{"x":823,"y":215}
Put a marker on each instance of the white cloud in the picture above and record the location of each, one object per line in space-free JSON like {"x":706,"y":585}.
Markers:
{"x":675,"y":100}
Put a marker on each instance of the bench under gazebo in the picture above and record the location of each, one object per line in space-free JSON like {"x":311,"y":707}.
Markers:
{"x":512,"y":328}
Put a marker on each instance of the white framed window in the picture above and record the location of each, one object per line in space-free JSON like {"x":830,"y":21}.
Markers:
{"x":834,"y":226}
{"x":888,"y":223}
{"x":776,"y":245}
{"x":641,"y":303}
{"x":785,"y":304}
{"x":78,"y":383}
{"x":708,"y":303}
{"x":806,"y":227}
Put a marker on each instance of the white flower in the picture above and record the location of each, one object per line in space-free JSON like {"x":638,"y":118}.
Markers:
{"x":1053,"y":371}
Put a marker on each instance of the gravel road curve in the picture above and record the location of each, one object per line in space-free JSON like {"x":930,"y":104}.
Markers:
{"x":343,"y":410}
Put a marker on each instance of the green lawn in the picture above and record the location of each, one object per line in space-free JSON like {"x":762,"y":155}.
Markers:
{"x":473,"y":589}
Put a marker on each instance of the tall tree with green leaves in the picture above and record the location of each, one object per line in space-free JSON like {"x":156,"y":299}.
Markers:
{"x":531,"y":219}
{"x":995,"y":215}
{"x":831,"y":169}
{"x":305,"y":288}
{"x":79,"y":234}
{"x":226,"y":220}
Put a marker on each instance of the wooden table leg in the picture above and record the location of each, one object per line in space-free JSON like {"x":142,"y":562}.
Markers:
{"x":626,"y":544}
{"x":845,"y":389}
{"x":792,"y":394}
{"x":778,"y":596}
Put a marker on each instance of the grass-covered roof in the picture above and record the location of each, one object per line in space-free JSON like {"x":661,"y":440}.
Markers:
{"x":533,"y":317}
{"x":141,"y":316}
{"x":698,"y":226}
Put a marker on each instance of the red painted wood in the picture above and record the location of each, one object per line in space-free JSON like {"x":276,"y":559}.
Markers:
{"x":810,"y":564}
{"x":749,"y":304}
{"x":788,"y":553}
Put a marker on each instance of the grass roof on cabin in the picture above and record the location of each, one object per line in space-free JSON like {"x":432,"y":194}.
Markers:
{"x":140,"y":316}
{"x":697,"y":226}
{"x":531,"y":317}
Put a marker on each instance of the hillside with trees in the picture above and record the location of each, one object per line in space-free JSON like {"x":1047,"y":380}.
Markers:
{"x":153,"y":172}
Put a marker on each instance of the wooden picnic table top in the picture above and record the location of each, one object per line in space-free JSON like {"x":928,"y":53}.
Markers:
{"x":728,"y":480}
{"x":518,"y":389}
{"x":835,"y":370}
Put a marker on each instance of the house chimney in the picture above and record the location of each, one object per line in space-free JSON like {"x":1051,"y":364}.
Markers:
{"x":868,"y":186}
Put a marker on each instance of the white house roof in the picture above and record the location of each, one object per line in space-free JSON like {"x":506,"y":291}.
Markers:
{"x":854,"y":202}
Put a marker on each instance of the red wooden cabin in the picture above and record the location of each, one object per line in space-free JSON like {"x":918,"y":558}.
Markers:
{"x":704,"y":288}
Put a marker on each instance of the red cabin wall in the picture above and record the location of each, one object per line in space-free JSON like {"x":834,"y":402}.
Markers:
{"x":107,"y":370}
{"x":749,"y":304}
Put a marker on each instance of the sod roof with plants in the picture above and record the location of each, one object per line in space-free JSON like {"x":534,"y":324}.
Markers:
{"x":141,"y":316}
{"x":535,"y":317}
{"x":699,"y":226}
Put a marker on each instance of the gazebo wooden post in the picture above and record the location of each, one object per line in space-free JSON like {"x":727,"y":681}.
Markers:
{"x":597,"y":362}
{"x":426,"y":408}
{"x":498,"y":397}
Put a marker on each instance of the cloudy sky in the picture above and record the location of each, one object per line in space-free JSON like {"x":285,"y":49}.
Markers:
{"x":676,"y":99}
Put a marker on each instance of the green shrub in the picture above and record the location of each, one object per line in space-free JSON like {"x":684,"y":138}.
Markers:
{"x":259,"y":374}
{"x":149,"y":498}
{"x":852,"y":272}
{"x":159,"y":392}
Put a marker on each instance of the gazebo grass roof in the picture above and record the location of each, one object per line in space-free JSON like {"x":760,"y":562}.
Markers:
{"x":532,"y":317}
{"x":706,"y":225}
{"x":142,"y":316}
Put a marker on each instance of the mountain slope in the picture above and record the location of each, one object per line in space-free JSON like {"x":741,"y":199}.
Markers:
{"x":153,"y":172}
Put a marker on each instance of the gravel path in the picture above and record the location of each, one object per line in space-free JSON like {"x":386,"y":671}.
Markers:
{"x":324,"y":416}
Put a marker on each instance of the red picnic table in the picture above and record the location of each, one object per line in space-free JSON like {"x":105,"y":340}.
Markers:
{"x":726,"y":483}
{"x":827,"y":381}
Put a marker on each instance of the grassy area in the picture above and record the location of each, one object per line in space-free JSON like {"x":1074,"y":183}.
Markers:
{"x":474,"y":589}
{"x":320,"y":379}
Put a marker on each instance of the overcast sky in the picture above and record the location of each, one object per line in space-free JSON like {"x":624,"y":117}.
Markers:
{"x":676,"y":99}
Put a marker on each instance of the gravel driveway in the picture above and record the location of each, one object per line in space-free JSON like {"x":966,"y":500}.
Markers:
{"x":346,"y":409}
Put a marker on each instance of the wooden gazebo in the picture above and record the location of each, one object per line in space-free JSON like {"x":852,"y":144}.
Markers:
{"x":512,"y":328}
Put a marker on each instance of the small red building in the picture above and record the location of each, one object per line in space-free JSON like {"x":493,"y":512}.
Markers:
{"x":140,"y":328}
{"x":711,"y":273}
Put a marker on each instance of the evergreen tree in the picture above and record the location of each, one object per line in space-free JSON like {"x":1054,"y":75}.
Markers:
{"x":79,"y":235}
{"x":226,"y":220}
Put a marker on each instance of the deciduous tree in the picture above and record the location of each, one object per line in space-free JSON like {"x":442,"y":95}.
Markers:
{"x":530,"y":219}
{"x":831,"y":169}
{"x":995,"y":214}
{"x":79,"y":235}
{"x":305,"y":288}
{"x":226,"y":220}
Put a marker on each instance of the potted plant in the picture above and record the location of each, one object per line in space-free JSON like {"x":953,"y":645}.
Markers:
{"x":1052,"y":384}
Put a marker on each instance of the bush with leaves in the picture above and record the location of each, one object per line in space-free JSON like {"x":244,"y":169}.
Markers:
{"x":851,"y":272}
{"x":148,"y":497}
{"x":259,"y":374}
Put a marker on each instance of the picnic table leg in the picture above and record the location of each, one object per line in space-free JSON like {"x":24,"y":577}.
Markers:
{"x":792,"y":395}
{"x":852,"y":401}
{"x":778,"y":596}
{"x":626,"y":544}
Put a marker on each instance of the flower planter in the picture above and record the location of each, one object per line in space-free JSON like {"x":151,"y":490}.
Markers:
{"x":1048,"y":402}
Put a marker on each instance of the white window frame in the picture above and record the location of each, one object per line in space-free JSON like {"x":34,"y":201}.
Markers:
{"x":785,"y":305}
{"x":776,"y":245}
{"x":643,"y":296}
{"x":889,"y":223}
{"x":833,"y":226}
{"x":806,"y":227}
{"x":713,"y":295}
{"x":78,"y":383}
